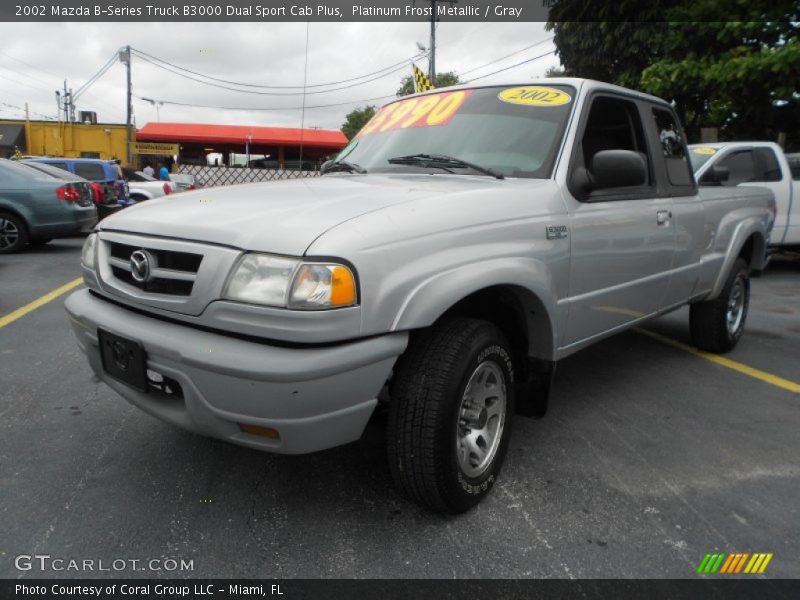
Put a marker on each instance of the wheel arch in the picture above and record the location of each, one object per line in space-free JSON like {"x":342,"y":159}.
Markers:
{"x":521,"y":287}
{"x":5,"y":208}
{"x":749,"y":242}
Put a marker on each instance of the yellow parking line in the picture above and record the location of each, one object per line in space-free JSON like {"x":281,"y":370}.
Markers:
{"x":24,"y":310}
{"x":780,"y":382}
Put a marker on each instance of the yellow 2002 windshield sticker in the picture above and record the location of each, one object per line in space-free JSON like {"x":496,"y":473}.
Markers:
{"x":423,"y":111}
{"x":535,"y":95}
{"x":704,"y":150}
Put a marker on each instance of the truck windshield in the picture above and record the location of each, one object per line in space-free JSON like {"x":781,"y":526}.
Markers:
{"x":699,"y":155}
{"x":514,"y":131}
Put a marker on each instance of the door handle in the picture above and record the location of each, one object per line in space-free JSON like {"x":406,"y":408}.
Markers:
{"x":663,"y":217}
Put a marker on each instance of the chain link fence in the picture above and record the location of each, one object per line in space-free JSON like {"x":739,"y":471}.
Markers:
{"x":216,"y":176}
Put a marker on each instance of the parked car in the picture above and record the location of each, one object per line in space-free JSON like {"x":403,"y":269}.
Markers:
{"x":95,"y":189}
{"x":465,"y":240}
{"x":185,"y":181}
{"x":144,"y":187}
{"x":754,"y":164}
{"x":102,"y":172}
{"x":35,"y":207}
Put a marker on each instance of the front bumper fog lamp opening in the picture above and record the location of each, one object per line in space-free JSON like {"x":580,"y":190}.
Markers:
{"x":164,"y":385}
{"x":267,"y":432}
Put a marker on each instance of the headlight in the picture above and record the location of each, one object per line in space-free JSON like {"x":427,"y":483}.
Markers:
{"x":322,"y":286}
{"x":291,"y":283}
{"x":88,"y":252}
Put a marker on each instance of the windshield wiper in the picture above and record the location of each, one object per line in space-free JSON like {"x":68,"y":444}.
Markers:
{"x":343,"y":165}
{"x":443,"y":161}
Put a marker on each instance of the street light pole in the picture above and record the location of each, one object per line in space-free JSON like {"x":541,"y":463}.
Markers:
{"x":432,"y":60}
{"x":125,"y":58}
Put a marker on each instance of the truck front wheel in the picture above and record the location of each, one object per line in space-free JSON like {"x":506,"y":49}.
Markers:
{"x":452,"y":398}
{"x":717,"y":325}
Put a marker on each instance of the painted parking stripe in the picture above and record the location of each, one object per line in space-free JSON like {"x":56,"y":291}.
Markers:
{"x":775,"y":380}
{"x":41,"y":301}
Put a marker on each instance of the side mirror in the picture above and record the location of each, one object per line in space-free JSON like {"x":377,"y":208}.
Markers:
{"x":325,"y":166}
{"x":618,"y":168}
{"x":716,"y":175}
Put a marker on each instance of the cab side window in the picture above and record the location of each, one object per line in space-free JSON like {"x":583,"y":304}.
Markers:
{"x":741,"y":166}
{"x":674,"y":148}
{"x":613,"y":124}
{"x":767,"y":163}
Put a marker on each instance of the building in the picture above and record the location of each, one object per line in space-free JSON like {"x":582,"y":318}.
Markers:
{"x":255,"y":146}
{"x":63,"y":138}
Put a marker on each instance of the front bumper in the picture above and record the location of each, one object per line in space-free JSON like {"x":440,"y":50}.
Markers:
{"x":315,"y":397}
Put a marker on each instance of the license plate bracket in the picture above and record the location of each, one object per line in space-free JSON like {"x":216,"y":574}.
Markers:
{"x":123,"y":359}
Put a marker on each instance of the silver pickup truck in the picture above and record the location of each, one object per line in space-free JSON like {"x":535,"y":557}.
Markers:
{"x":465,"y":240}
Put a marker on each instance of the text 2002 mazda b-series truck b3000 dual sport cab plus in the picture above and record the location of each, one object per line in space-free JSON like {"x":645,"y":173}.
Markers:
{"x":462,"y":243}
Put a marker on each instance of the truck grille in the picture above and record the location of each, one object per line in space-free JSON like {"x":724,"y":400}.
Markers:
{"x":169,"y":272}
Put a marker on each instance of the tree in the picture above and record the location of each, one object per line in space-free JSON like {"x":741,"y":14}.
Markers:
{"x":356,"y":119}
{"x":442,"y":80}
{"x":724,"y":63}
{"x":555,"y":72}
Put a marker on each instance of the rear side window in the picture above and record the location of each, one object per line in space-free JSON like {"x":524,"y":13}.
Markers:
{"x":742,"y":167}
{"x":90,"y":171}
{"x":770,"y":169}
{"x":794,"y":165}
{"x":59,"y":165}
{"x":674,"y":148}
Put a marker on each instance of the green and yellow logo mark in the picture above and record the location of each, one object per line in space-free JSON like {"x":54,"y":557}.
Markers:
{"x":736,"y":562}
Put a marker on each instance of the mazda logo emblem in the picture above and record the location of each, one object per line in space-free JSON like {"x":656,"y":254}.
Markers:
{"x":141,"y":263}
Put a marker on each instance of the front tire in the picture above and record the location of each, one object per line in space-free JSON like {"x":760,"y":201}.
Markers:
{"x":717,"y":325}
{"x":452,"y":399}
{"x":13,"y":233}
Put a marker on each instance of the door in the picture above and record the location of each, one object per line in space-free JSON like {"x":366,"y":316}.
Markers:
{"x":692,"y":234}
{"x":622,"y":239}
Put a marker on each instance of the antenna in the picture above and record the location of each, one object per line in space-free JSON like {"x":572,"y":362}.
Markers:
{"x":303,"y":109}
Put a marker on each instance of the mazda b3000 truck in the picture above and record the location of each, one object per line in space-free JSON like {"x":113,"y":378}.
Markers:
{"x":462,"y":243}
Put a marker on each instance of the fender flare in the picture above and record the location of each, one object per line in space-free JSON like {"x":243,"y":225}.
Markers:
{"x":743,"y":232}
{"x":528,"y":278}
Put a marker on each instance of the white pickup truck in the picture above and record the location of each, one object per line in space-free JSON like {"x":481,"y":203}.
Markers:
{"x":465,"y":240}
{"x":756,"y":164}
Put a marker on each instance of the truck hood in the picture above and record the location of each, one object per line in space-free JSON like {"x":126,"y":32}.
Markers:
{"x":283,"y":217}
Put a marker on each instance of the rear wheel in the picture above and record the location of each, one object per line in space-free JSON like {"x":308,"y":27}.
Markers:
{"x":450,"y":414}
{"x":717,"y":325}
{"x":13,"y":235}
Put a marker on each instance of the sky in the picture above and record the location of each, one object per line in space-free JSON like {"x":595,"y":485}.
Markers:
{"x":36,"y":58}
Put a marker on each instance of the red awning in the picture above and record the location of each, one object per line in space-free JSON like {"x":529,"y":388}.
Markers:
{"x":195,"y":133}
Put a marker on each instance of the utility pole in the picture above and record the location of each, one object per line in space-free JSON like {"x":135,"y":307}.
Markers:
{"x":125,"y":58}
{"x":432,"y":61}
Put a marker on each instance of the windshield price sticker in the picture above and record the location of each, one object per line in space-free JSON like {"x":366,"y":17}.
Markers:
{"x":424,"y":111}
{"x":704,"y":150}
{"x":535,"y":96}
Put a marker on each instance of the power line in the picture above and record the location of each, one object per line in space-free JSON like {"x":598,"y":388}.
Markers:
{"x":390,"y":68}
{"x":257,"y":93}
{"x":268,"y":109}
{"x":27,"y":64}
{"x":510,"y":67}
{"x":352,"y":102}
{"x":497,"y":60}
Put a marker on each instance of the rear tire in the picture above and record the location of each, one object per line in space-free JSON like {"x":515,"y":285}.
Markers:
{"x":13,"y":233}
{"x":717,"y":325}
{"x":452,"y":402}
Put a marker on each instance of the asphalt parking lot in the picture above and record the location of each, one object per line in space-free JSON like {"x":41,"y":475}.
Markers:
{"x":649,"y":458}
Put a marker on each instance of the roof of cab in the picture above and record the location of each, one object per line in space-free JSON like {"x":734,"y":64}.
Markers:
{"x":580,"y":84}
